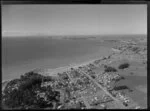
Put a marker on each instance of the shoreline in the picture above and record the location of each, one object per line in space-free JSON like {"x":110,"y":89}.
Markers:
{"x":15,"y":70}
{"x":114,"y":59}
{"x":53,"y":72}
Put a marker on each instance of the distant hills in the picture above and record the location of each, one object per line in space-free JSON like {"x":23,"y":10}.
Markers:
{"x":79,"y":38}
{"x":76,"y":37}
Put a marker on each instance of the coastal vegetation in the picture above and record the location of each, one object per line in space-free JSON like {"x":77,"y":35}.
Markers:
{"x":74,"y":88}
{"x":22,"y":93}
{"x":124,"y":65}
{"x":110,"y":69}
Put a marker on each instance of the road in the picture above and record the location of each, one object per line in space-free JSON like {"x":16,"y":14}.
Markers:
{"x":82,"y":98}
{"x":71,"y":79}
{"x":115,"y":99}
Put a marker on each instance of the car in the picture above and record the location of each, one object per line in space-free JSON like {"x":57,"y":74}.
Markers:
{"x":137,"y":107}
{"x":103,"y":106}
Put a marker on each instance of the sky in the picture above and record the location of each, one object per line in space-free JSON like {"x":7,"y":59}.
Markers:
{"x":20,"y":20}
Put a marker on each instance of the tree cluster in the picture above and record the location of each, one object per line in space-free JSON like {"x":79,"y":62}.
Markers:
{"x":123,"y":66}
{"x":110,"y":69}
{"x":21,"y":93}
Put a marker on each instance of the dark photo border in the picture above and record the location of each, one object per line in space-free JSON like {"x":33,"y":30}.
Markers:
{"x":15,"y":2}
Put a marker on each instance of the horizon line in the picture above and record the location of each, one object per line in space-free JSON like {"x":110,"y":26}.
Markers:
{"x":67,"y":35}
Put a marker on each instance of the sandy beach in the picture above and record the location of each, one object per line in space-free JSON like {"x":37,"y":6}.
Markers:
{"x":53,"y":72}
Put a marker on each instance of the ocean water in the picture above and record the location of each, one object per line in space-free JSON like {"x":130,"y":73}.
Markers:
{"x":20,"y":55}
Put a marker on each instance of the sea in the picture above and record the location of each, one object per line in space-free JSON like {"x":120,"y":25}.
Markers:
{"x":23,"y":54}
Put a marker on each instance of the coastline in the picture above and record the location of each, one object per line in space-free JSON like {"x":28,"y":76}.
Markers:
{"x":54,"y":71}
{"x":140,"y":90}
{"x":6,"y":80}
{"x":51,"y":71}
{"x":14,"y":70}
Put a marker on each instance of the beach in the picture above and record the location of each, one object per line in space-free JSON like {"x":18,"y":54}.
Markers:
{"x":18,"y":57}
{"x":135,"y":75}
{"x":82,"y":61}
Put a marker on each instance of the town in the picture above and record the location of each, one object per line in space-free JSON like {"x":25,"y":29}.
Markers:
{"x":88,"y":86}
{"x":95,"y":90}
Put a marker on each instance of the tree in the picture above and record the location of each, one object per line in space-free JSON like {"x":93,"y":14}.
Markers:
{"x":123,"y":66}
{"x":24,"y":96}
{"x":110,"y":69}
